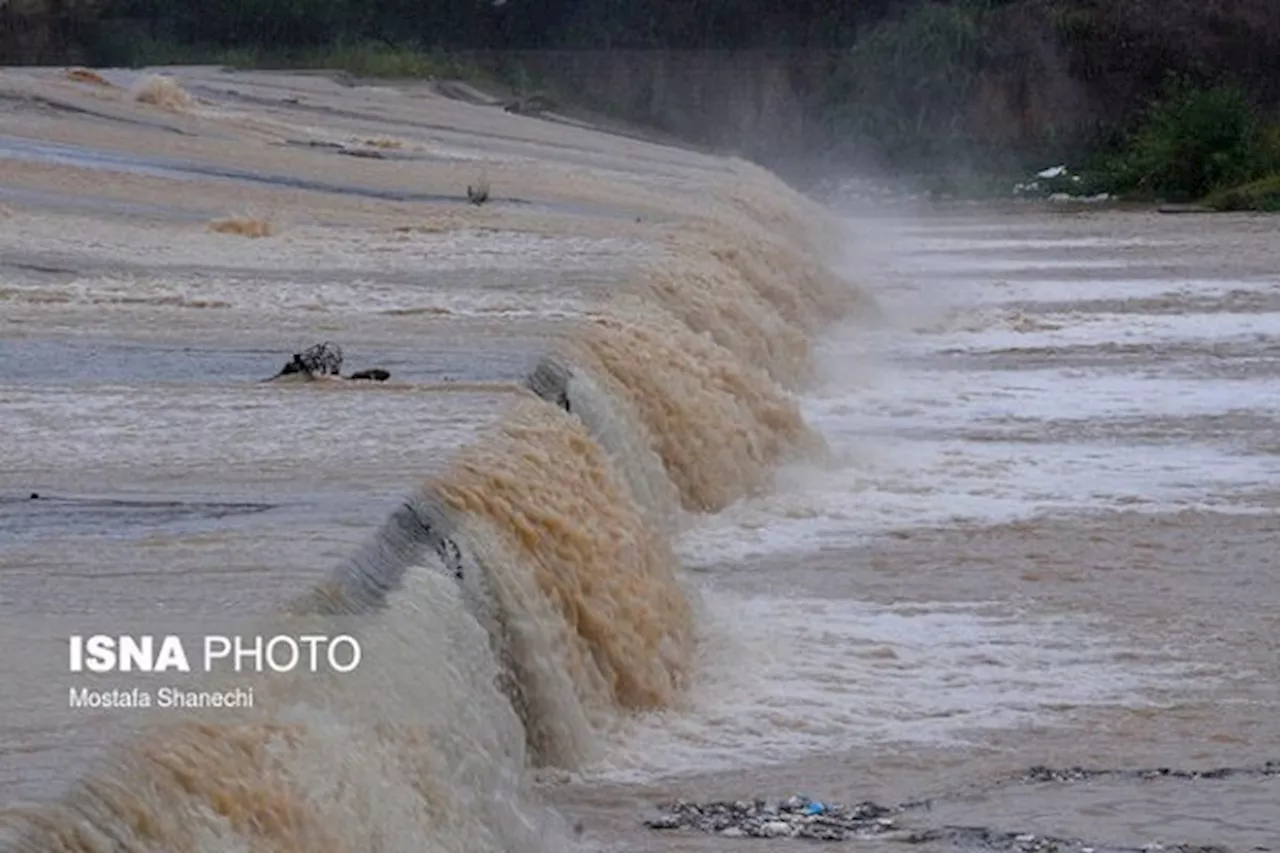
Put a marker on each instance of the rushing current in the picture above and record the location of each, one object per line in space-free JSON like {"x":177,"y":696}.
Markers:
{"x":527,"y":596}
{"x":681,"y":485}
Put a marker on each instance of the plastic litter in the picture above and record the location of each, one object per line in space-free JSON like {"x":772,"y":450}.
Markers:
{"x":795,"y":817}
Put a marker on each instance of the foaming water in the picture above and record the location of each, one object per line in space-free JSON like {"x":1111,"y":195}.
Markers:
{"x":577,"y":562}
{"x":783,"y":676}
{"x":660,"y":561}
{"x":614,"y":425}
{"x":725,"y":308}
{"x":524,"y":605}
{"x":418,"y":750}
{"x":720,"y":426}
{"x":944,"y":423}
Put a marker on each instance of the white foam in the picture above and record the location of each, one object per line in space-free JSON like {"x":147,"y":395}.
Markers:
{"x":302,"y":247}
{"x":558,"y":294}
{"x":1059,"y":290}
{"x":965,"y":264}
{"x":928,"y":447}
{"x":781,"y":677}
{"x":951,"y":399}
{"x":956,"y":245}
{"x":895,"y":483}
{"x":909,"y":233}
{"x":1001,"y":329}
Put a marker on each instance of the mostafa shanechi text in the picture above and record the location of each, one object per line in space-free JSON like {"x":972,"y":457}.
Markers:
{"x":165,"y":697}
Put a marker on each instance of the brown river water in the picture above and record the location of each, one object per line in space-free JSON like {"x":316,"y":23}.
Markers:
{"x":856,"y":503}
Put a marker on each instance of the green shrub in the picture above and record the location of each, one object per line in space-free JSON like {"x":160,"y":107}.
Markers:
{"x":1263,"y":194}
{"x":1191,"y":141}
{"x":1073,"y":25}
{"x":1270,"y":145}
{"x":902,"y":92}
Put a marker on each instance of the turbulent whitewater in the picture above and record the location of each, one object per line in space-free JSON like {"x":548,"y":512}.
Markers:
{"x":527,"y":598}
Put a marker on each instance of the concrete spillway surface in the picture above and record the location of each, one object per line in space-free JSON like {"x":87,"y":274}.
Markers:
{"x":1038,"y":527}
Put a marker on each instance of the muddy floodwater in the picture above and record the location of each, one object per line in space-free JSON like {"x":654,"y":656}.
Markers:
{"x":970,"y":512}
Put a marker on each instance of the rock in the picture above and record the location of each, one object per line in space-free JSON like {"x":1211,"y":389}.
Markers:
{"x":375,"y":374}
{"x":776,"y":829}
{"x":550,"y":381}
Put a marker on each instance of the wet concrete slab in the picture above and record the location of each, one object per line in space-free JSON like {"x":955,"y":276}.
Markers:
{"x":40,"y":516}
{"x":84,"y":157}
{"x":49,"y":361}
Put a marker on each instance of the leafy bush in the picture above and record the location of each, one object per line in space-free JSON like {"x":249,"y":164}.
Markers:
{"x":902,"y":91}
{"x":1261,"y":195}
{"x":362,"y":59}
{"x":1191,"y":141}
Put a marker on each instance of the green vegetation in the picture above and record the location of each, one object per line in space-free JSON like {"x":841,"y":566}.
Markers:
{"x":1261,"y":195}
{"x":122,"y":46}
{"x":966,"y":96}
{"x":902,"y":92}
{"x":1192,"y":140}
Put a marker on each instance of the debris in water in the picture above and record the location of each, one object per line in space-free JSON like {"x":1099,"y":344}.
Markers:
{"x":983,"y":838}
{"x":1040,"y":773}
{"x":243,"y":226}
{"x":479,"y":193}
{"x":366,"y":153}
{"x":797,"y":817}
{"x":801,"y":817}
{"x":325,"y":359}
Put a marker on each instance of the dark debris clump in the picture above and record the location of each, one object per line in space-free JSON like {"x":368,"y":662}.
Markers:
{"x":325,"y":359}
{"x":801,"y":817}
{"x":1040,"y":773}
{"x":797,"y":817}
{"x":981,"y":838}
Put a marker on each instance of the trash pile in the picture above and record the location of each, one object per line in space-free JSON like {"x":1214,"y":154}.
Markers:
{"x":804,"y":818}
{"x":1058,"y":184}
{"x":797,"y":817}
